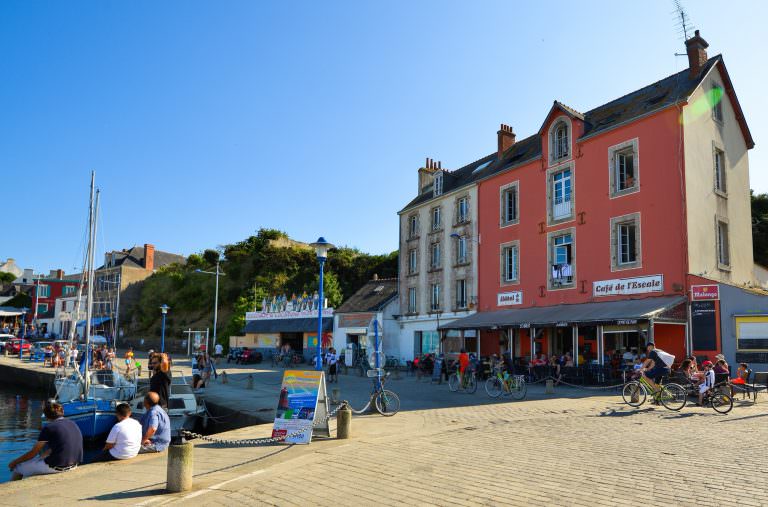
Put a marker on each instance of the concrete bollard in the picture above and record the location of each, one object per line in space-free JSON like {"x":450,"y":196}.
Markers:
{"x":249,"y":384}
{"x":224,"y":378}
{"x":179,"y":470}
{"x":344,"y":422}
{"x":335,"y":394}
{"x":550,"y":389}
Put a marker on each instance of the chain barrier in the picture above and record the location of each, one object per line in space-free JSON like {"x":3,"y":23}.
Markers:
{"x":256,"y":442}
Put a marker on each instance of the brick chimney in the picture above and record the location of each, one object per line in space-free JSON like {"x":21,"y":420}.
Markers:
{"x":59,"y":274}
{"x":506,"y":139}
{"x":697,"y":53}
{"x":149,"y":257}
{"x":426,"y":172}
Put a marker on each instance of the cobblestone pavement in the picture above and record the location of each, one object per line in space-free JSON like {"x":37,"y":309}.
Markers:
{"x":589,"y":451}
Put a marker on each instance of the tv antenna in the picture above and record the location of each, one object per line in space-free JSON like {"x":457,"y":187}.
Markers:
{"x":683,"y":22}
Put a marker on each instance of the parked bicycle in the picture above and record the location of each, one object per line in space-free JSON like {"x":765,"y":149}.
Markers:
{"x":387,"y":403}
{"x":672,"y":396}
{"x":508,"y":385}
{"x":466,"y":381}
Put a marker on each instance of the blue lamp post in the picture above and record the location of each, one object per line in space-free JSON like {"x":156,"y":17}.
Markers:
{"x":321,"y":247}
{"x":163,"y":309}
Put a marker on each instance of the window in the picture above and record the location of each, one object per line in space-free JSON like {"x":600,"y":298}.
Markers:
{"x":560,"y":141}
{"x":461,"y":294}
{"x":69,"y":290}
{"x":510,"y":265}
{"x":719,"y":157}
{"x":438,"y":186}
{"x":436,"y":219}
{"x":723,"y":253}
{"x":717,"y":102}
{"x":412,"y":300}
{"x":625,"y":170}
{"x":435,"y":300}
{"x":413,"y":226}
{"x":509,"y":205}
{"x":461,"y":250}
{"x":412,"y":262}
{"x":435,"y":255}
{"x":462,"y":210}
{"x":44,"y":291}
{"x":627,"y":234}
{"x":561,"y":194}
{"x":42,"y":308}
{"x":562,"y":260}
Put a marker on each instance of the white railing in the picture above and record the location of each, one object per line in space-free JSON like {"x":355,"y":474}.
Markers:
{"x":561,"y":208}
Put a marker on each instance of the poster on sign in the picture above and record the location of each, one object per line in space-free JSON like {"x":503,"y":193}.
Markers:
{"x":705,"y":292}
{"x":302,"y":401}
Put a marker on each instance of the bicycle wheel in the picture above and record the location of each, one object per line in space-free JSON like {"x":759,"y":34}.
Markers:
{"x":387,"y":403}
{"x":722,"y":403}
{"x":633,"y":393}
{"x":493,"y":387}
{"x":518,"y":389}
{"x":453,"y":382}
{"x":673,"y":396}
{"x":471,"y":384}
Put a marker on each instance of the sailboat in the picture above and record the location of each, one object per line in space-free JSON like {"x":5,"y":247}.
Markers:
{"x":89,"y":398}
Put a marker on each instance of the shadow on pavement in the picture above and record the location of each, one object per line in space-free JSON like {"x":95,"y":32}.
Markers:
{"x":615,"y":413}
{"x":124,"y":495}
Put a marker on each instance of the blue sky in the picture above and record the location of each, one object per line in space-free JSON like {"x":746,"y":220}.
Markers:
{"x":208,"y":120}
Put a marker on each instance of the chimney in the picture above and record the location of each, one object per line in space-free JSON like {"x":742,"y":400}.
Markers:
{"x":506,"y":139}
{"x":59,"y":274}
{"x":149,"y":257}
{"x":697,"y":53}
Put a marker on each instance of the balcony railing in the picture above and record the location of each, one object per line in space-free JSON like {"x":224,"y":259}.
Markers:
{"x":561,"y":208}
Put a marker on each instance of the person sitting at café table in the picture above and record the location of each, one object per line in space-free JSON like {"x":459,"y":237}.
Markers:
{"x":720,"y":365}
{"x":62,"y":441}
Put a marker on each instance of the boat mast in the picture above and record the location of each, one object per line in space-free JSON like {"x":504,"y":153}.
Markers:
{"x":89,"y":298}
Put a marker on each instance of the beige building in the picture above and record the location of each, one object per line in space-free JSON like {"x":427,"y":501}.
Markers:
{"x":438,"y":256}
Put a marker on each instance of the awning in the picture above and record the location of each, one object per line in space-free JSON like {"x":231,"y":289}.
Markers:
{"x":6,"y":313}
{"x":616,"y":312}
{"x":301,"y":325}
{"x":95,"y":321}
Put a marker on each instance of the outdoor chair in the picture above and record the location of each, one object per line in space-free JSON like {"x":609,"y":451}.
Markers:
{"x":759,"y":383}
{"x":744,"y":388}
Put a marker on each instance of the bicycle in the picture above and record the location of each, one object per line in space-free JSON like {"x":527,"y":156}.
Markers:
{"x":508,"y":385}
{"x":672,"y":396}
{"x":462,"y":381}
{"x":720,"y":402}
{"x":387,"y":403}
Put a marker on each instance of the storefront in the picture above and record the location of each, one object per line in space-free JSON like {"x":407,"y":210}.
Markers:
{"x":593,"y":332}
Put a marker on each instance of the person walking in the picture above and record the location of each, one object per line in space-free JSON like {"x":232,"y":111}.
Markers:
{"x":332,"y":359}
{"x":64,"y":443}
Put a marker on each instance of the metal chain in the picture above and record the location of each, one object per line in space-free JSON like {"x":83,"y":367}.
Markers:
{"x":255,"y":442}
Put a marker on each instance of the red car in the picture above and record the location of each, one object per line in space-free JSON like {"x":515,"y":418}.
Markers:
{"x":13,"y":346}
{"x":249,"y":356}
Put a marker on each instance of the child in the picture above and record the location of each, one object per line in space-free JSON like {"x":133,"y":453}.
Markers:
{"x":742,"y":374}
{"x":708,"y":382}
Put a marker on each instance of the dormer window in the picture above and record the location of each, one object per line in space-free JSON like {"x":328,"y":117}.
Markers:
{"x":437,"y":188}
{"x":560,"y":141}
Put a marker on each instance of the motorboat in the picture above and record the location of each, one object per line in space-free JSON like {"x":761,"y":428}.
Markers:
{"x":183,"y":405}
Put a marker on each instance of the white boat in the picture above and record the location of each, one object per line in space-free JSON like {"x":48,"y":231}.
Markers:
{"x":183,"y":405}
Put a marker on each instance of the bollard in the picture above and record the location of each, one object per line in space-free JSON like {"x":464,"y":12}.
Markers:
{"x":335,"y":393}
{"x":249,"y":384}
{"x":550,"y":387}
{"x":344,"y":422}
{"x":179,"y":470}
{"x":224,"y":377}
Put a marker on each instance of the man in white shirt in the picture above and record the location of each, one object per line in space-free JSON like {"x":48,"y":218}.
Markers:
{"x":218,"y":351}
{"x":124,"y":441}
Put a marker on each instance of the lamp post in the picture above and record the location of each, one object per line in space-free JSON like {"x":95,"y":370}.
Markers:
{"x":164,"y":309}
{"x":216,"y":296}
{"x":321,"y":247}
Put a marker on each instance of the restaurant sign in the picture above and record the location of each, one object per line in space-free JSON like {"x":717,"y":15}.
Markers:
{"x":622,"y":286}
{"x":510,"y":298}
{"x":705,"y":292}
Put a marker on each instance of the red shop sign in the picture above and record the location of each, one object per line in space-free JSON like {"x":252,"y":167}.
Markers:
{"x":705,"y":292}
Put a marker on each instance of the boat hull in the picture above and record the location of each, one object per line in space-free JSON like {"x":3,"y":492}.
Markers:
{"x":95,"y":418}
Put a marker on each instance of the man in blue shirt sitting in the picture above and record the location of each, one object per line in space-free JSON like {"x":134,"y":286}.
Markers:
{"x":155,"y":425}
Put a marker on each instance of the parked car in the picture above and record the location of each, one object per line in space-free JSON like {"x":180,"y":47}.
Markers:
{"x":250,"y":356}
{"x":234,"y":354}
{"x":14,"y":345}
{"x":4,"y":338}
{"x":39,"y":347}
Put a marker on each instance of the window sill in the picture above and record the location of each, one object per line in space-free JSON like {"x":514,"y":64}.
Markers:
{"x":509,"y":283}
{"x":459,"y":309}
{"x":435,"y":311}
{"x":722,"y":194}
{"x":723,"y":267}
{"x":626,"y":267}
{"x":412,"y":314}
{"x":434,"y":270}
{"x":561,"y":287}
{"x":435,"y":231}
{"x":462,"y":264}
{"x":460,"y":224}
{"x":412,"y":238}
{"x":627,"y":191}
{"x":412,"y":274}
{"x":510,"y":223}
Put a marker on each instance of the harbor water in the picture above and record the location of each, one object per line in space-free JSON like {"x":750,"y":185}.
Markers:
{"x":20,"y":421}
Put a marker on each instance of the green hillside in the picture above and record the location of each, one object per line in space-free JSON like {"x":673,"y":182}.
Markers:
{"x":261,"y":266}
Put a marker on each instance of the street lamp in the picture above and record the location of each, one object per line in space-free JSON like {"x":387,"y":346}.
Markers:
{"x":164,"y":309}
{"x":321,"y":247}
{"x":216,"y":297}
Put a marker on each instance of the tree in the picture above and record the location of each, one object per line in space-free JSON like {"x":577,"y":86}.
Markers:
{"x":6,"y":277}
{"x":760,"y":228}
{"x":211,"y":256}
